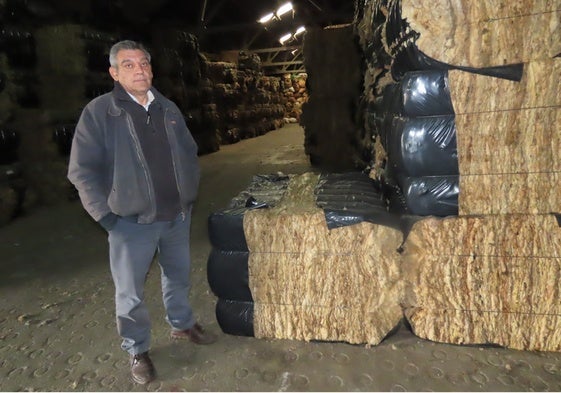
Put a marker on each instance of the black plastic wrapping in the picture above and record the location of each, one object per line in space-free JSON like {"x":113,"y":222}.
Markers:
{"x":9,"y":144}
{"x":225,"y":227}
{"x":407,"y":57}
{"x":426,"y":196}
{"x":235,"y":317}
{"x":420,"y":93}
{"x":351,"y":198}
{"x":423,"y":146}
{"x":225,"y":230}
{"x":410,"y":58}
{"x":227,"y":274}
{"x":3,"y":80}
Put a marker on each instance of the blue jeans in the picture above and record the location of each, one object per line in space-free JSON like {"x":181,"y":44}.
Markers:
{"x":132,"y":247}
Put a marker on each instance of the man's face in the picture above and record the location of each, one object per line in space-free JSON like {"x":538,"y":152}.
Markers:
{"x":133,"y":71}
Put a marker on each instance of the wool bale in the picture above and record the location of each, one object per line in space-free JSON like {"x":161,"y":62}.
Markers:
{"x":485,"y":34}
{"x":489,"y":279}
{"x":357,"y":298}
{"x":8,"y":203}
{"x":55,"y":42}
{"x":539,"y":87}
{"x":508,"y":142}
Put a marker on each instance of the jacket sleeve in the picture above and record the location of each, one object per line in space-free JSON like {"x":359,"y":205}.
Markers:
{"x":87,"y":167}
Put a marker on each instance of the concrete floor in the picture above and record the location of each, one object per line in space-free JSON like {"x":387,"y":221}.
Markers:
{"x":57,"y":329}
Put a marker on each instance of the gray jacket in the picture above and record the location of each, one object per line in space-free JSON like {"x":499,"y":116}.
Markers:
{"x":109,"y":170}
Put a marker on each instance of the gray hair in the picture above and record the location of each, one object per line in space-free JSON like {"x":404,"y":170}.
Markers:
{"x":126,"y":45}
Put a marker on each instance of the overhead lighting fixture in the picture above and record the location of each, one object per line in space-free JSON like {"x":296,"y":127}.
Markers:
{"x":292,"y":36}
{"x":285,"y":38}
{"x":267,"y":18}
{"x":283,"y":9}
{"x":300,"y":30}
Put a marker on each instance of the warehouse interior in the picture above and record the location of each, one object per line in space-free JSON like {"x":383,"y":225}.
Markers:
{"x":378,"y":209}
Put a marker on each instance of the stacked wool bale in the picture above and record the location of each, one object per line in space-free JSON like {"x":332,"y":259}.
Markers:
{"x":312,"y":283}
{"x":334,"y":138}
{"x":295,"y":95}
{"x":12,"y":184}
{"x":54,"y":43}
{"x":491,"y":274}
{"x":485,"y":279}
{"x":179,"y":74}
{"x":97,"y":46}
{"x":224,"y":91}
{"x":40,"y":149}
{"x":247,"y":103}
{"x":262,"y":106}
{"x":417,"y":129}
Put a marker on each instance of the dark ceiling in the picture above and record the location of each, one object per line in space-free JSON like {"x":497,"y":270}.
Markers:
{"x":219,"y":24}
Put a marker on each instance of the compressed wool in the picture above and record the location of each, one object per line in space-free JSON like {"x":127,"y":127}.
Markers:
{"x":489,"y":279}
{"x":531,"y":193}
{"x":323,"y":51}
{"x":329,"y":117}
{"x":309,"y":282}
{"x":508,"y":143}
{"x":539,"y":87}
{"x":54,"y":43}
{"x":485,"y":34}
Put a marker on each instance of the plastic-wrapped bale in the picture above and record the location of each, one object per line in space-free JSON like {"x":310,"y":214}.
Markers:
{"x":508,"y":143}
{"x":235,"y":317}
{"x":416,"y":124}
{"x":425,"y":195}
{"x":227,"y":265}
{"x":312,"y":283}
{"x":423,"y":146}
{"x":485,"y":280}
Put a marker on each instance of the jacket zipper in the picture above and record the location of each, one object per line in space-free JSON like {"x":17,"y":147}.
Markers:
{"x":142,"y":162}
{"x":174,"y":165}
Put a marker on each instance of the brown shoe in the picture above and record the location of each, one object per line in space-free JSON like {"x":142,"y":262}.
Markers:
{"x":142,"y":369}
{"x":196,"y":334}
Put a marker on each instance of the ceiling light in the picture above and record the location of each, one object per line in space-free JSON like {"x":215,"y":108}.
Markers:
{"x":285,"y":38}
{"x":266,"y":18}
{"x":300,"y":30}
{"x":283,"y":9}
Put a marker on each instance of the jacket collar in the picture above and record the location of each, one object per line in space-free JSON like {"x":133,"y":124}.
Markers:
{"x":119,"y":94}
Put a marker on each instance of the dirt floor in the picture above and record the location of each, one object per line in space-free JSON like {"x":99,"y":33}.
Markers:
{"x":57,"y":325}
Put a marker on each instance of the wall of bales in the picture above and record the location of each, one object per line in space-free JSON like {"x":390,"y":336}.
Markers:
{"x":295,"y":94}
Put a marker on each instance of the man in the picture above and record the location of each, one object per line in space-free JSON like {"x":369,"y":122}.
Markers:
{"x":134,"y":164}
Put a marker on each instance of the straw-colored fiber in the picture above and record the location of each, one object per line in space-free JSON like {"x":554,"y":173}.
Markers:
{"x":509,"y":142}
{"x":425,"y":12}
{"x":512,"y":330}
{"x":510,"y":193}
{"x":310,"y":282}
{"x":488,"y":279}
{"x":502,"y":235}
{"x":303,"y":322}
{"x":470,"y":34}
{"x":539,"y":87}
